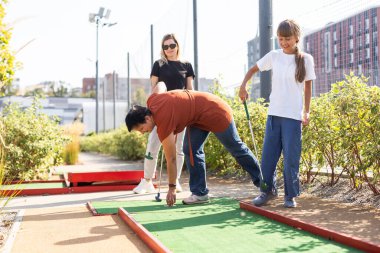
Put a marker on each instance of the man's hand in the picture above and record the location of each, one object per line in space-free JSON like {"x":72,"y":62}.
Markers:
{"x":171,"y":197}
{"x":243,"y":94}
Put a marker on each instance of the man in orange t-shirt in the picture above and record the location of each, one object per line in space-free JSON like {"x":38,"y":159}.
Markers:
{"x":201,"y":113}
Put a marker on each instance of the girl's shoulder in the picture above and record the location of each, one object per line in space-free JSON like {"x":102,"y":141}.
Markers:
{"x":307,"y":57}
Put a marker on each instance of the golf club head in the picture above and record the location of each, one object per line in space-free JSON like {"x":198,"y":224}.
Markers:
{"x":158,"y":199}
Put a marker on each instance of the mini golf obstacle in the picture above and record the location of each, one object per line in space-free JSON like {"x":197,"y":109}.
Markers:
{"x":223,"y":225}
{"x":78,"y":182}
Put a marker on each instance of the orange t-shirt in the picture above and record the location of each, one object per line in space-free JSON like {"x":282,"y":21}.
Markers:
{"x":174,"y":110}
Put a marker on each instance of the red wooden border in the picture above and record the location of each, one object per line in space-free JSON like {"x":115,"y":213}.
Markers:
{"x":66,"y":190}
{"x":132,"y":176}
{"x":329,"y":234}
{"x":152,"y":242}
{"x":92,"y":209}
{"x":100,"y":188}
{"x":29,"y":192}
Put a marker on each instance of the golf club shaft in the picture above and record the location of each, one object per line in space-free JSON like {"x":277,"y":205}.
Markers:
{"x":252,"y":135}
{"x":162,"y":162}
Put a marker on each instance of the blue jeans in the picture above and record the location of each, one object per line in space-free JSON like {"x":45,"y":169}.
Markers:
{"x":282,"y":135}
{"x":231,"y":141}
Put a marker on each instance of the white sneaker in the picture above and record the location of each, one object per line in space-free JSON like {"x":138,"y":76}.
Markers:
{"x":194,"y":199}
{"x":178,"y":187}
{"x":144,"y":187}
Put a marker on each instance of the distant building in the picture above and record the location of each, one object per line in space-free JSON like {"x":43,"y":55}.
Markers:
{"x":345,"y":46}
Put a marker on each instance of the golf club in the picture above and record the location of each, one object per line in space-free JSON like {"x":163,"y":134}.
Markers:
{"x":158,"y":199}
{"x":263,"y":185}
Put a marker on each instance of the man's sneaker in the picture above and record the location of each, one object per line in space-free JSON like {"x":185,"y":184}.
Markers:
{"x":194,"y":199}
{"x":290,"y":202}
{"x":144,"y":187}
{"x":263,"y":198}
{"x":178,"y":187}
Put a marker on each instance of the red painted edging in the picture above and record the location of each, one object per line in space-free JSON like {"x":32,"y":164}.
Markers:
{"x":142,"y":232}
{"x":132,"y":176}
{"x":92,"y":209}
{"x":100,"y":188}
{"x":329,"y":234}
{"x":30,"y":192}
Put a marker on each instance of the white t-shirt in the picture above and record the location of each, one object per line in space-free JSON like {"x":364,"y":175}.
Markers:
{"x":286,"y":98}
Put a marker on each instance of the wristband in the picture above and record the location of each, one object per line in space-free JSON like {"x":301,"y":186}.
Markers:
{"x":172,"y":185}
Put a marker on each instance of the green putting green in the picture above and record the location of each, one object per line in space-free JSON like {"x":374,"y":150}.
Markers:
{"x":219,"y":226}
{"x":31,"y":186}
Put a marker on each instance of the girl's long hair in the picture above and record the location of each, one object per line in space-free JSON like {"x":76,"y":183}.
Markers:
{"x":289,"y":28}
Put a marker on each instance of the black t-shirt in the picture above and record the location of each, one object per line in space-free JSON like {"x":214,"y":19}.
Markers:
{"x":173,"y":73}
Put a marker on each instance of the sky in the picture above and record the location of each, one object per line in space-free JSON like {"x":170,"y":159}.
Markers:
{"x":54,"y":40}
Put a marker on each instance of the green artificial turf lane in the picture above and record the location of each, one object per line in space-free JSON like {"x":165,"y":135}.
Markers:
{"x":31,"y":186}
{"x":220,"y":226}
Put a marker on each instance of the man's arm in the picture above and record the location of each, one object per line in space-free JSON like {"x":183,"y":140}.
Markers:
{"x":169,"y":147}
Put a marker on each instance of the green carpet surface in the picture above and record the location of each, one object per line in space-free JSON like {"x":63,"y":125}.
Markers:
{"x":219,"y":226}
{"x":31,"y":186}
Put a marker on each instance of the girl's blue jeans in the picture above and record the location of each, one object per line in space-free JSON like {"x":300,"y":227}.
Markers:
{"x":234,"y":145}
{"x":282,"y":135}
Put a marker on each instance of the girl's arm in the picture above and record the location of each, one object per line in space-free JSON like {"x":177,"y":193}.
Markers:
{"x":307,"y":98}
{"x":243,"y":93}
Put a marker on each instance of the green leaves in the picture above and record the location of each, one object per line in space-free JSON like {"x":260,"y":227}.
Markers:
{"x":35,"y":142}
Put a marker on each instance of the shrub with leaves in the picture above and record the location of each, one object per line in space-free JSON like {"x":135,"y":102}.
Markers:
{"x":35,"y":142}
{"x":120,"y":143}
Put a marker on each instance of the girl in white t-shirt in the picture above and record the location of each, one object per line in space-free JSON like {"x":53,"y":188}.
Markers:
{"x":292,"y":75}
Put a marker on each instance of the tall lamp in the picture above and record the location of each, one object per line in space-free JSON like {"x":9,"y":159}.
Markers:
{"x":97,"y":19}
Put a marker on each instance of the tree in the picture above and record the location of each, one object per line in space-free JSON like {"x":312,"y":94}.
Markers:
{"x":7,"y":57}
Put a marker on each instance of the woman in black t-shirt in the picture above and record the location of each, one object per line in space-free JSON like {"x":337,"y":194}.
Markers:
{"x":176,"y":74}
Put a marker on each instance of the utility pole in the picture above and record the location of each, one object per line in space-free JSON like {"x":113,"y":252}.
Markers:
{"x":128,"y":85}
{"x":195,"y":27}
{"x":114,"y":98}
{"x":151,"y":46}
{"x":265,"y":22}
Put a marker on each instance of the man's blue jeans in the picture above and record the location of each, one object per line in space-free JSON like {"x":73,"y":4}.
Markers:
{"x":282,"y":135}
{"x":231,"y":141}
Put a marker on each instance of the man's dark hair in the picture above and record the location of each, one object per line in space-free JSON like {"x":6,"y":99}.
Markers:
{"x":136,"y":116}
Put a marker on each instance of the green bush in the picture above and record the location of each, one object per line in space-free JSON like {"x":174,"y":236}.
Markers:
{"x":35,"y":142}
{"x":119,"y":143}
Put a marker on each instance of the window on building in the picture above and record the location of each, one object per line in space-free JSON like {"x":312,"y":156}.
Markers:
{"x":367,"y":39}
{"x":351,"y":43}
{"x":351,"y":57}
{"x":360,"y":69}
{"x":351,"y":30}
{"x":334,"y":34}
{"x":335,"y":62}
{"x":367,"y":23}
{"x":335,"y":49}
{"x":327,"y":52}
{"x":307,"y":46}
{"x":367,"y":53}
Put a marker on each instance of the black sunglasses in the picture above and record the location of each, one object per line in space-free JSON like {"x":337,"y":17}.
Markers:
{"x":166,"y":47}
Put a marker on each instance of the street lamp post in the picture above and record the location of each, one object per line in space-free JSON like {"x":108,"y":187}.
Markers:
{"x":97,"y":19}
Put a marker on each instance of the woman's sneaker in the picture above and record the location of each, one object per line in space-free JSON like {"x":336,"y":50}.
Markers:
{"x":290,"y":202}
{"x":263,"y":198}
{"x":194,"y":199}
{"x":144,"y":187}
